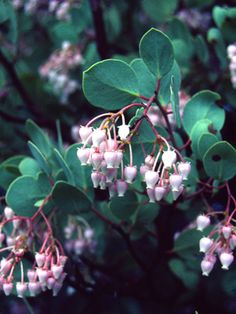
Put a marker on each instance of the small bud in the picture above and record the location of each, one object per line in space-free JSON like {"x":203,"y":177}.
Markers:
{"x":175,"y":182}
{"x":7,"y":288}
{"x":149,"y":161}
{"x":50,"y":283}
{"x":205,"y":244}
{"x":121,"y":187}
{"x":110,"y":175}
{"x":226,"y":260}
{"x":98,"y":136}
{"x":8,"y":212}
{"x":56,"y":288}
{"x":226,"y":230}
{"x":130,"y":173}
{"x":176,"y":194}
{"x":21,"y":289}
{"x":151,"y":178}
{"x":159,"y":192}
{"x":184,"y":169}
{"x":63,"y":259}
{"x":40,"y":259}
{"x":83,"y":155}
{"x":123,"y":131}
{"x":169,"y":158}
{"x":202,"y":222}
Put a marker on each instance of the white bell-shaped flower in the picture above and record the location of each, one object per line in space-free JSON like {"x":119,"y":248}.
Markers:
{"x":151,"y":178}
{"x":159,"y":192}
{"x":205,"y":244}
{"x":169,"y":157}
{"x":226,"y":230}
{"x":151,"y":195}
{"x":184,"y":169}
{"x":130,"y":173}
{"x":121,"y":187}
{"x":207,"y":266}
{"x":175,"y":182}
{"x":123,"y":131}
{"x":202,"y":222}
{"x":98,"y":136}
{"x":83,"y":155}
{"x":21,"y":289}
{"x":226,"y":260}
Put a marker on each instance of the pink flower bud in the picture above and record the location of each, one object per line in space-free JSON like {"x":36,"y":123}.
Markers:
{"x":56,"y":271}
{"x":56,"y":288}
{"x":21,"y":289}
{"x":169,"y":158}
{"x":83,"y":155}
{"x":159,"y":192}
{"x":175,"y":182}
{"x":34,"y":288}
{"x":98,"y":136}
{"x":110,"y":158}
{"x":96,"y":178}
{"x":205,"y":244}
{"x":40,"y":259}
{"x":110,"y":175}
{"x":226,"y":260}
{"x":227,"y":230}
{"x":96,"y":159}
{"x":130,"y":172}
{"x":85,"y":133}
{"x":63,"y":260}
{"x":202,"y":222}
{"x":184,"y":169}
{"x":123,"y":131}
{"x":8,"y":212}
{"x":7,"y":288}
{"x":32,"y":275}
{"x":151,"y":178}
{"x":151,"y":195}
{"x":149,"y":161}
{"x":121,"y":187}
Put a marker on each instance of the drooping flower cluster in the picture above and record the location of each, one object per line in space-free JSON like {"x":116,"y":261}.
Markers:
{"x":231,"y":50}
{"x":57,"y":69}
{"x":104,"y":148}
{"x":220,"y":242}
{"x":156,"y":117}
{"x":59,"y":8}
{"x":79,"y":235}
{"x":19,"y":238}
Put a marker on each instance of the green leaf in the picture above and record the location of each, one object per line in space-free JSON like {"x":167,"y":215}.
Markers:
{"x":174,"y":93}
{"x":186,"y":245}
{"x":200,"y":127}
{"x":70,"y":199}
{"x":229,"y":283}
{"x":202,"y":106}
{"x":146,"y":80}
{"x":24,"y":192}
{"x":124,"y":207}
{"x":29,"y":166}
{"x":64,"y":166}
{"x":156,"y":50}
{"x":189,"y":277}
{"x":159,"y":11}
{"x":110,"y":84}
{"x":205,"y":141}
{"x":219,"y":161}
{"x":42,"y":162}
{"x":215,"y":37}
{"x":201,"y":49}
{"x":39,"y":138}
{"x":146,"y":213}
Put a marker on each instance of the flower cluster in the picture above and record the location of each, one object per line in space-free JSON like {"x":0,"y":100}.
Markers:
{"x":59,"y":8}
{"x":157,"y":119}
{"x":104,"y":149}
{"x":19,"y":236}
{"x":57,"y":68}
{"x":79,"y":235}
{"x":231,"y":50}
{"x":221,"y":241}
